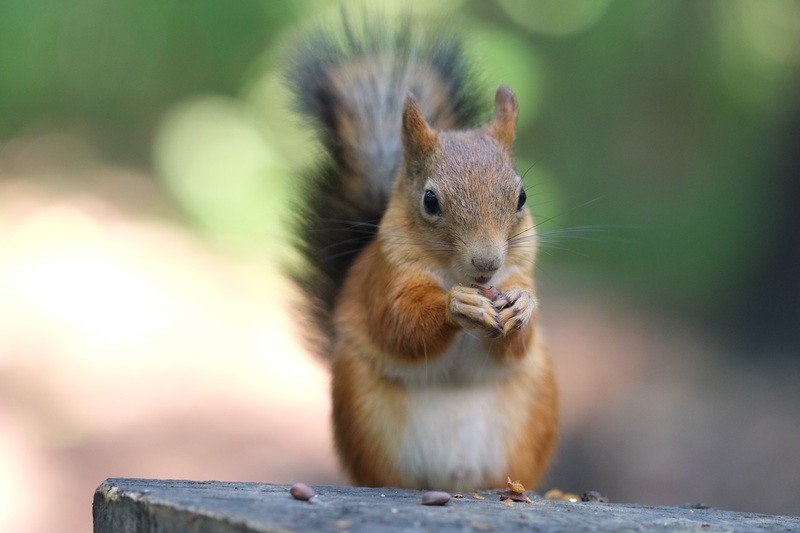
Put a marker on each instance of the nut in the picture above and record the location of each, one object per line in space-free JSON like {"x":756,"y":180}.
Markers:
{"x":515,"y":496}
{"x":435,"y":497}
{"x":301,"y":491}
{"x":491,"y":292}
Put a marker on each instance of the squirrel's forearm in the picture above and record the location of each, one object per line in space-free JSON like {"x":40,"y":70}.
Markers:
{"x":516,"y":343}
{"x":394,"y":313}
{"x":411,"y":323}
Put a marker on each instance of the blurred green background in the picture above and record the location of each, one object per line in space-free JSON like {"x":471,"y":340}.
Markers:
{"x":668,"y":131}
{"x":661,"y":142}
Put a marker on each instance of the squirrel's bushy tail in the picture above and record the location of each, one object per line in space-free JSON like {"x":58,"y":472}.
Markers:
{"x":351,"y":84}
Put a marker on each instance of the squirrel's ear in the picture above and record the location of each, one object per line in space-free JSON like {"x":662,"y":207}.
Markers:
{"x":418,"y":137}
{"x":504,"y":123}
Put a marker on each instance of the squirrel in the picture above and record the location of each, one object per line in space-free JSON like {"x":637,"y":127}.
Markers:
{"x":419,"y":251}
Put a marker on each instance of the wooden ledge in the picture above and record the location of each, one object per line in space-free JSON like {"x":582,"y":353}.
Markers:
{"x":145,"y":505}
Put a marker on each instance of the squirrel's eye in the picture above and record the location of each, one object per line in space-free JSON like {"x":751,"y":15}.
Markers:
{"x":431,"y":203}
{"x":522,"y":198}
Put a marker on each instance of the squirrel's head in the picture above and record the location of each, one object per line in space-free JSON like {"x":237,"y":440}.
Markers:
{"x":462,"y":194}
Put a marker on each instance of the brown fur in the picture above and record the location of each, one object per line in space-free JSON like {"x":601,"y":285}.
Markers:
{"x":419,"y":139}
{"x":504,"y":123}
{"x":366,"y":442}
{"x":405,"y":300}
{"x":533,"y":403}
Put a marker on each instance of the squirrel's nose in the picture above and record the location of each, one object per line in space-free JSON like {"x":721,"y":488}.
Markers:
{"x":486,"y":264}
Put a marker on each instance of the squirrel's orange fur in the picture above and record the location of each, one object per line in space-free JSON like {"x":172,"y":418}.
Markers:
{"x":438,"y":382}
{"x":404,"y":303}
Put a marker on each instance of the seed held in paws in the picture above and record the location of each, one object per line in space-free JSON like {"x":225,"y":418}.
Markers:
{"x":491,"y":292}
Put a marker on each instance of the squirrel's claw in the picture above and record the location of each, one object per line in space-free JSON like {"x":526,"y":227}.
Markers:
{"x":502,"y":301}
{"x":517,"y":307}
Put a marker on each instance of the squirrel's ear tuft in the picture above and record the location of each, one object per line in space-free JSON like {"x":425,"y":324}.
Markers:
{"x":418,"y":137}
{"x":504,"y":123}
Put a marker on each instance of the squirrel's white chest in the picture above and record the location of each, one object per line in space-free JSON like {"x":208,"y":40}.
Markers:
{"x":455,"y":434}
{"x":453,"y":438}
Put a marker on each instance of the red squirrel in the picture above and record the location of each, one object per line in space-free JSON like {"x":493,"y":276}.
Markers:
{"x":420,"y":253}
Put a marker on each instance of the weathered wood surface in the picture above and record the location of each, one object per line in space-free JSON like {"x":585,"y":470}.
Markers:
{"x":128,"y":505}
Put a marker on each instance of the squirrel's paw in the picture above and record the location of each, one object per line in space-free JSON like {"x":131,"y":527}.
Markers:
{"x":516,"y":308}
{"x":470,"y":308}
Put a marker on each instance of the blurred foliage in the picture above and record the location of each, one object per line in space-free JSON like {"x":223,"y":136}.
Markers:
{"x":657,"y":127}
{"x":110,"y":69}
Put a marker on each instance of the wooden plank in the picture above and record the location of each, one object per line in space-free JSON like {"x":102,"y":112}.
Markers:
{"x":144,"y":505}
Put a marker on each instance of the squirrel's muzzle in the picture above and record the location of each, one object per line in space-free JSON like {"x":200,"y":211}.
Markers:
{"x":487,"y":264}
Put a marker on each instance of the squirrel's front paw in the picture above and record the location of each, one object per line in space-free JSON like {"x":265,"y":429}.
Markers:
{"x":516,"y":308}
{"x":470,"y":308}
